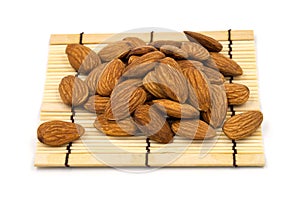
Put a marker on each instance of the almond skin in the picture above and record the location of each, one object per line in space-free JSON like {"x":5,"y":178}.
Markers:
{"x":125,"y":127}
{"x":242,"y":125}
{"x":125,"y":98}
{"x":193,"y":129}
{"x":216,"y":114}
{"x":199,"y":95}
{"x":96,"y":104}
{"x":174,"y":52}
{"x":237,"y":94}
{"x":58,"y":133}
{"x":93,"y":77}
{"x":226,"y":66}
{"x":82,"y":58}
{"x":153,"y":124}
{"x":114,"y":50}
{"x":135,"y":41}
{"x":195,"y":51}
{"x":209,"y":43}
{"x":110,"y":76}
{"x":141,"y":50}
{"x":73,"y":91}
{"x":175,"y":109}
{"x":159,"y":43}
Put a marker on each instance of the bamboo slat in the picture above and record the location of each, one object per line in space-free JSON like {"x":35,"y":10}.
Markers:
{"x":95,"y":149}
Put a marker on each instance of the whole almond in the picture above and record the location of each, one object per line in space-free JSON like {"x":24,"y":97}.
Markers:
{"x":209,"y":43}
{"x":147,"y":58}
{"x":82,"y":58}
{"x":139,"y":70}
{"x":58,"y":133}
{"x":166,"y":82}
{"x":175,"y":109}
{"x":93,"y":77}
{"x":216,"y":114}
{"x":110,"y":76}
{"x":135,"y":41}
{"x":157,"y":44}
{"x":153,"y":124}
{"x":125,"y":98}
{"x":73,"y":91}
{"x":171,"y":62}
{"x":242,"y":125}
{"x":114,"y":50}
{"x":125,"y":127}
{"x":141,"y":50}
{"x":226,"y":66}
{"x":193,"y":129}
{"x":237,"y":94}
{"x":199,"y":94}
{"x":174,"y":52}
{"x":195,"y":51}
{"x":214,"y":76}
{"x":96,"y":104}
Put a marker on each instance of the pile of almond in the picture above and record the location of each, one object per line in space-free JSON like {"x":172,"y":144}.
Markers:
{"x":160,"y":89}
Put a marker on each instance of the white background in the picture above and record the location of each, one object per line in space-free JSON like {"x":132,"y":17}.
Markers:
{"x":25,"y":28}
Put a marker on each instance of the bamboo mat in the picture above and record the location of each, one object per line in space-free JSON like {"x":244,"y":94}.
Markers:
{"x":97,"y":150}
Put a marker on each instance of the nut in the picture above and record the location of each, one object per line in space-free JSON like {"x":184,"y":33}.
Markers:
{"x":209,"y":43}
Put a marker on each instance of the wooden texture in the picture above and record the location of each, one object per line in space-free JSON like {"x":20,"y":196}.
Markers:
{"x":97,"y":150}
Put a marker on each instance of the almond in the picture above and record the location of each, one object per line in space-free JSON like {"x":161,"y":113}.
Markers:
{"x":242,"y":125}
{"x":174,"y":52}
{"x":193,"y":129}
{"x":237,"y":94}
{"x":166,"y":82}
{"x":141,"y":50}
{"x":58,"y":133}
{"x":93,"y":77}
{"x":82,"y":58}
{"x":114,"y":50}
{"x":175,"y":109}
{"x":73,"y":91}
{"x":110,"y":76}
{"x":96,"y":104}
{"x":209,"y":43}
{"x":140,"y":70}
{"x":159,"y":43}
{"x":124,"y":99}
{"x":216,"y":114}
{"x":199,"y":95}
{"x":132,"y":58}
{"x":195,"y":51}
{"x":171,"y":62}
{"x":226,"y":66}
{"x":125,"y":127}
{"x":153,"y":124}
{"x":135,"y":41}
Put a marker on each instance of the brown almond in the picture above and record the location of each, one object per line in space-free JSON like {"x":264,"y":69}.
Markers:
{"x":110,"y":76}
{"x":135,"y":41}
{"x":226,"y":66}
{"x":141,"y":50}
{"x":114,"y":50}
{"x":96,"y":104}
{"x":209,"y":43}
{"x":237,"y":94}
{"x":58,"y":133}
{"x":153,"y":124}
{"x":132,"y":58}
{"x":195,"y":51}
{"x":82,"y":58}
{"x":125,"y":127}
{"x":159,"y":43}
{"x":125,"y":98}
{"x":175,"y":109}
{"x":242,"y":125}
{"x":93,"y":77}
{"x":216,"y":114}
{"x":199,"y":94}
{"x":73,"y":91}
{"x":174,"y":52}
{"x":171,"y":62}
{"x":193,"y":129}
